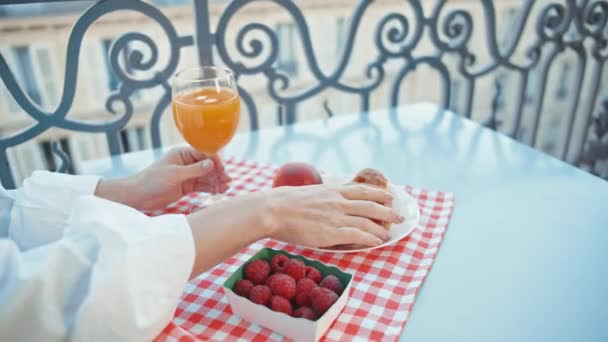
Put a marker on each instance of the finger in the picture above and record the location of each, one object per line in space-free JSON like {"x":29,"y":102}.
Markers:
{"x":190,"y":155}
{"x":200,"y":169}
{"x":367,"y":225}
{"x":219,"y":163}
{"x":224,"y":178}
{"x":351,"y":235}
{"x":221,"y":169}
{"x":222,"y":188}
{"x":372,"y":210}
{"x":365,"y":192}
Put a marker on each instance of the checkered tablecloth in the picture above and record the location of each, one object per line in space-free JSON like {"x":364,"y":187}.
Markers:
{"x":386,"y":280}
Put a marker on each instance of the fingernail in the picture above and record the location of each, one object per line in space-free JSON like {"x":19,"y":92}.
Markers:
{"x":397,"y":218}
{"x":207,"y":164}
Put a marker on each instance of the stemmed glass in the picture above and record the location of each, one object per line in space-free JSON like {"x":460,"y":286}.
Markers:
{"x":206,"y":108}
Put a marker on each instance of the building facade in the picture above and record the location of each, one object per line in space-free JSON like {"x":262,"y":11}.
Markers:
{"x":34,"y":41}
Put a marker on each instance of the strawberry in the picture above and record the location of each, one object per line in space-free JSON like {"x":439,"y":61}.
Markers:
{"x":333,"y":283}
{"x":257,"y":271}
{"x":278,"y":262}
{"x":260,"y":294}
{"x":304,"y":312}
{"x":243,"y":287}
{"x":282,"y":285}
{"x":313,"y":274}
{"x":303,"y":288}
{"x":322,"y":299}
{"x":280,"y":304}
{"x":295,"y":268}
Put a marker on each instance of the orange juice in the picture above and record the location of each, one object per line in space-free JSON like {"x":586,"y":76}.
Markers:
{"x":207,"y":117}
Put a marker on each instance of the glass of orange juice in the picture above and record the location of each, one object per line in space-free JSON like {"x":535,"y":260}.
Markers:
{"x":206,"y":110}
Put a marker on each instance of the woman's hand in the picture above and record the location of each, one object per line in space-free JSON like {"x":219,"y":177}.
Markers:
{"x":179,"y":172}
{"x":320,"y":216}
{"x":316,"y":215}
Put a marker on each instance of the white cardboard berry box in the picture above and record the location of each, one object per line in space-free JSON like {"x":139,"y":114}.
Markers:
{"x":298,"y":329}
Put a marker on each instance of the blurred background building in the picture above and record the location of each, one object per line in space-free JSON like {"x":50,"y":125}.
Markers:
{"x":34,"y":38}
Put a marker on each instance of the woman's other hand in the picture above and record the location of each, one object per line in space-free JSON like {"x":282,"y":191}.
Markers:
{"x":322,"y":216}
{"x":179,"y":172}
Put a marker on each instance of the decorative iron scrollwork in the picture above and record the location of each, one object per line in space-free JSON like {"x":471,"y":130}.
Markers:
{"x":559,"y":27}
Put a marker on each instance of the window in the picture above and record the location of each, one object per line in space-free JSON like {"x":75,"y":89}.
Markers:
{"x":141,"y":137}
{"x":126,"y":142}
{"x":31,"y":9}
{"x":501,"y":83}
{"x":133,"y":138}
{"x":455,"y":94}
{"x":531,"y":89}
{"x":53,"y":161}
{"x":562,"y":91}
{"x":112,"y":78}
{"x":34,"y":69}
{"x":10,"y":104}
{"x":25,"y":158}
{"x":509,"y":25}
{"x":45,"y":75}
{"x":96,"y":79}
{"x":550,"y":137}
{"x":521,"y":134}
{"x":286,"y":60}
{"x":340,"y":35}
{"x":25,"y":69}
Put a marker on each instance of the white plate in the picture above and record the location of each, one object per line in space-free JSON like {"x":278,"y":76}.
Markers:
{"x":403,"y":203}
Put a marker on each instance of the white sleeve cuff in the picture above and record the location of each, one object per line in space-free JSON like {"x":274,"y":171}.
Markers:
{"x":44,"y":188}
{"x":141,"y":270}
{"x":116,"y":275}
{"x":43,"y":205}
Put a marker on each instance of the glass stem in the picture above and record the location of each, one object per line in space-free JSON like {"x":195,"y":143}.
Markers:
{"x":215,"y":195}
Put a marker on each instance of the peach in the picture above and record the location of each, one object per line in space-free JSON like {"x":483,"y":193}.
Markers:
{"x":296,"y":174}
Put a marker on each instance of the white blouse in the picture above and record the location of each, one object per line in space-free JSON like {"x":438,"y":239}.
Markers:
{"x":77,"y":267}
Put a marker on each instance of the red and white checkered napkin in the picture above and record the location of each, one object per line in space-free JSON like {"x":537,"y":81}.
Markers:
{"x":386,"y":280}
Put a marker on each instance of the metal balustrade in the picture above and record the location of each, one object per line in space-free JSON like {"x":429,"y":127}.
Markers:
{"x":578,"y":27}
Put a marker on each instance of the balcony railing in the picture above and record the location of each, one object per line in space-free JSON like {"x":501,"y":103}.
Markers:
{"x":539,"y":32}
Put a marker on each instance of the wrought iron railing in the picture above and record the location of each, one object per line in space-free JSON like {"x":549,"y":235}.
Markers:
{"x":560,"y":26}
